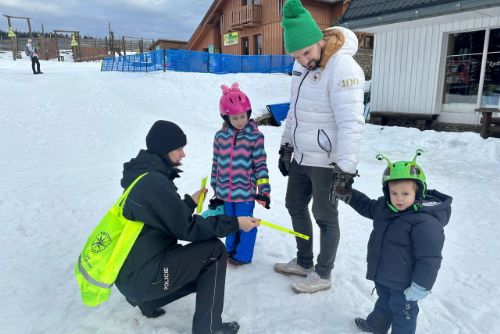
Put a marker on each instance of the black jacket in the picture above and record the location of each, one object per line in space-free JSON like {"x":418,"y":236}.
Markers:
{"x":405,"y":246}
{"x":167,"y":218}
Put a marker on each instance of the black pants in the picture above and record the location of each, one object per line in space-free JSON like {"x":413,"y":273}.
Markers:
{"x":198,"y":267}
{"x":34,"y":60}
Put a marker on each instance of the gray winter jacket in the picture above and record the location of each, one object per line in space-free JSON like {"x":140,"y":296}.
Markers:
{"x":31,"y":50}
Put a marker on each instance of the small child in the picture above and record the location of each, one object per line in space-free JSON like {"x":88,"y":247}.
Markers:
{"x":239,"y":171}
{"x":404,"y":250}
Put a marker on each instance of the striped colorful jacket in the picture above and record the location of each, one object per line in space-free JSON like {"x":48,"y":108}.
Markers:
{"x":239,"y":164}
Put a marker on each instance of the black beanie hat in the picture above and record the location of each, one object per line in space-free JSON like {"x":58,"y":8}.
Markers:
{"x":164,"y":137}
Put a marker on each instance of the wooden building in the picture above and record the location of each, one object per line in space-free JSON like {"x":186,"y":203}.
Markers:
{"x":253,"y":27}
{"x":164,"y":44}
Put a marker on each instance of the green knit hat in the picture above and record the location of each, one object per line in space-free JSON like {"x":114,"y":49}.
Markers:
{"x":299,"y":28}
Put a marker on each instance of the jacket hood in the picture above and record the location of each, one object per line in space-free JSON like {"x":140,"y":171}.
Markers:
{"x":342,"y":40}
{"x":339,"y":41}
{"x":146,"y":162}
{"x":438,"y":205}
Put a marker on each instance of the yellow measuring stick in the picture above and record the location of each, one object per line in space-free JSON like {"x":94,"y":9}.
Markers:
{"x":283,"y":229}
{"x":202,"y":195}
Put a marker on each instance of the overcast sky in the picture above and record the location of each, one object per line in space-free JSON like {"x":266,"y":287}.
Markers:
{"x":170,"y":19}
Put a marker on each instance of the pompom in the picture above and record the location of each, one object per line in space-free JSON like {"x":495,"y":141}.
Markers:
{"x":292,"y":8}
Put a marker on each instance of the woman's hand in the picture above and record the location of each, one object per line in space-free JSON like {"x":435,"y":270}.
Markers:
{"x":248,"y":223}
{"x":197,"y":194}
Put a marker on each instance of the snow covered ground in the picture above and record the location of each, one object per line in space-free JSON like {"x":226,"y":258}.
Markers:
{"x":64,"y":136}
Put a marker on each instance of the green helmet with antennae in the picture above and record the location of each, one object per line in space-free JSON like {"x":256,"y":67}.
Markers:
{"x":404,"y":170}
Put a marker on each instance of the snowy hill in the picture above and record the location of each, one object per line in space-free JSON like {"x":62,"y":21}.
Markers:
{"x":64,"y":136}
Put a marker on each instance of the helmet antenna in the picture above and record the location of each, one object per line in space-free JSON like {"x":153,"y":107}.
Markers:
{"x":418,"y":153}
{"x":381,"y":157}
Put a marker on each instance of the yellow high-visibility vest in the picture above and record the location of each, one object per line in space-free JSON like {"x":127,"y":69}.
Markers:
{"x":105,"y":252}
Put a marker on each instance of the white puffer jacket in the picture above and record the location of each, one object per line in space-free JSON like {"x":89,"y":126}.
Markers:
{"x":325,"y":121}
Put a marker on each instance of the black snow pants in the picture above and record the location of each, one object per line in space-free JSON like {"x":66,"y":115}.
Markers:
{"x":199,"y":267}
{"x":34,"y":60}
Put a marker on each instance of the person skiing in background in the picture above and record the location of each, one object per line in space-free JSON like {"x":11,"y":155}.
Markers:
{"x":239,"y":175}
{"x":31,"y":51}
{"x":404,"y":250}
{"x":320,"y":143}
{"x":158,"y":270}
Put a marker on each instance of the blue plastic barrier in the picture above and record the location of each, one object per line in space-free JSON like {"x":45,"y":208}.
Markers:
{"x":195,"y":61}
{"x":278,"y":112}
{"x":144,"y":62}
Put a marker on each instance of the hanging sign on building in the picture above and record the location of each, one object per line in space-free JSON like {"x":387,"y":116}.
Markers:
{"x":231,"y":38}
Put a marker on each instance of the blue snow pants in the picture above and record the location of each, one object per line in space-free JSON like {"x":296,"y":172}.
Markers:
{"x":240,"y":245}
{"x":392,"y":309}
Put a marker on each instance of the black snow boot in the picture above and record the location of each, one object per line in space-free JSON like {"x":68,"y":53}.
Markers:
{"x":152,"y":313}
{"x":229,"y":328}
{"x":363,"y":325}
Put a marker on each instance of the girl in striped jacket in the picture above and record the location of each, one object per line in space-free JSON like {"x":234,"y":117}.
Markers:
{"x":239,"y":170}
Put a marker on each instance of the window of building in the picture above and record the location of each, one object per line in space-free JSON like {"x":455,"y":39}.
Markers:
{"x":257,"y":44}
{"x":490,"y":97}
{"x":280,"y":7}
{"x":245,"y":49}
{"x":368,"y":42}
{"x":250,"y":2}
{"x":462,"y":71}
{"x":463,"y":88}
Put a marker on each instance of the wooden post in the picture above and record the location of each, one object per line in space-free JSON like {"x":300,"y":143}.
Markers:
{"x":29,"y":27}
{"x":14,"y":48}
{"x":123,"y":46}
{"x":78,"y":47}
{"x":486,"y":120}
{"x":486,"y":114}
{"x":57,"y":48}
{"x":164,"y":60}
{"x":112,"y":43}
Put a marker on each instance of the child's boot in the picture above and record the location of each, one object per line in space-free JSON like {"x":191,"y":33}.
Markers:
{"x":363,"y":325}
{"x":232,"y":261}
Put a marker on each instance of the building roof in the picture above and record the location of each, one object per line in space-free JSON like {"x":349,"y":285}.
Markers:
{"x":158,"y":41}
{"x":369,"y":13}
